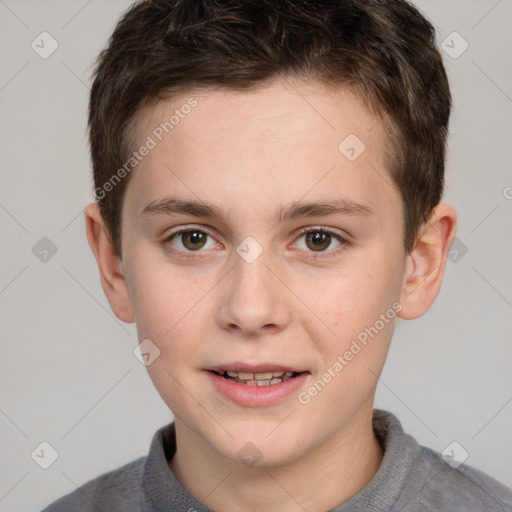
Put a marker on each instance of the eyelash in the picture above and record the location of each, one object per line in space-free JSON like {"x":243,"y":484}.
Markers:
{"x":315,"y":256}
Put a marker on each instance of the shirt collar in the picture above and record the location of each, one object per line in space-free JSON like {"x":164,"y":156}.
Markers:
{"x":163,"y":491}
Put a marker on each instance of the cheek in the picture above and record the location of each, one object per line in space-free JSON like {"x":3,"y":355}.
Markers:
{"x":163,"y":300}
{"x":354,"y":297}
{"x":359,"y":307}
{"x":167,"y":311}
{"x":160,"y":312}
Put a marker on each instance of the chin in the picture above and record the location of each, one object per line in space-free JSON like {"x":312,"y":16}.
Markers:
{"x":261,"y":450}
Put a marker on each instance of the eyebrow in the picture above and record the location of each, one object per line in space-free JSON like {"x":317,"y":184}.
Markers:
{"x":299,"y":209}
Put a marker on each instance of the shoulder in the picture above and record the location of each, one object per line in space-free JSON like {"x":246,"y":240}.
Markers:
{"x":459,"y":488}
{"x":415,"y":478}
{"x":116,"y":490}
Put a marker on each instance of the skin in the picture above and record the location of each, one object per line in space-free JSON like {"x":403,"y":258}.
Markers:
{"x":250,"y":153}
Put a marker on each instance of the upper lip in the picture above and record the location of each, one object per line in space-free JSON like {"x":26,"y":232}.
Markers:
{"x":254,"y":368}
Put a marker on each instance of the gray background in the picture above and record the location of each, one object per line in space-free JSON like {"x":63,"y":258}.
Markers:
{"x":68,"y":374}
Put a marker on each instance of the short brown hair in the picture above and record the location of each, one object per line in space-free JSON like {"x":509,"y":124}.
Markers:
{"x":383,"y":50}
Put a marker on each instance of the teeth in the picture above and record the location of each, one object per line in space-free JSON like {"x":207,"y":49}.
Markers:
{"x":263,"y":375}
{"x":257,"y":379}
{"x":257,"y":376}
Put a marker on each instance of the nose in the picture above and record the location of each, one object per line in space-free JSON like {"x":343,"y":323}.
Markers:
{"x":253,"y":298}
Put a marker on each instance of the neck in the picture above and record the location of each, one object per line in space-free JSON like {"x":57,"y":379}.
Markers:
{"x":325,"y":477}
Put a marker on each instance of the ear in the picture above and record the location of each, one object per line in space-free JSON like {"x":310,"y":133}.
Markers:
{"x":426,"y":263}
{"x":112,"y":278}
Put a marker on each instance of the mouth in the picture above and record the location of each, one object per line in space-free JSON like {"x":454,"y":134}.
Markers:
{"x":257,"y":385}
{"x":268,"y":378}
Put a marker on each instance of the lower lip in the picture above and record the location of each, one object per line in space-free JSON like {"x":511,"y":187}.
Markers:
{"x":256,"y":396}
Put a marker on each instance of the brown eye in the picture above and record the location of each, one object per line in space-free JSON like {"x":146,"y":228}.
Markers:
{"x":189,"y":241}
{"x":318,"y":240}
{"x":193,"y":240}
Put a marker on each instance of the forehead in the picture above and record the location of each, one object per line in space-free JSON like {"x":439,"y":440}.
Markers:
{"x":278,"y":143}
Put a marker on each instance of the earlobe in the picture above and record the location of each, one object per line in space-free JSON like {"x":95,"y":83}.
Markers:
{"x":426,"y":262}
{"x":112,"y":278}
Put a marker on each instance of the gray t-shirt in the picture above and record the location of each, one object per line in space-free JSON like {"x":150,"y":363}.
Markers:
{"x":411,"y":478}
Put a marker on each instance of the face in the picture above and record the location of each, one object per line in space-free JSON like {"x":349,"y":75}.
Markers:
{"x":238,"y":285}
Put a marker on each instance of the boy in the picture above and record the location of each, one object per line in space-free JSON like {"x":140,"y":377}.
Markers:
{"x":268,"y":179}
